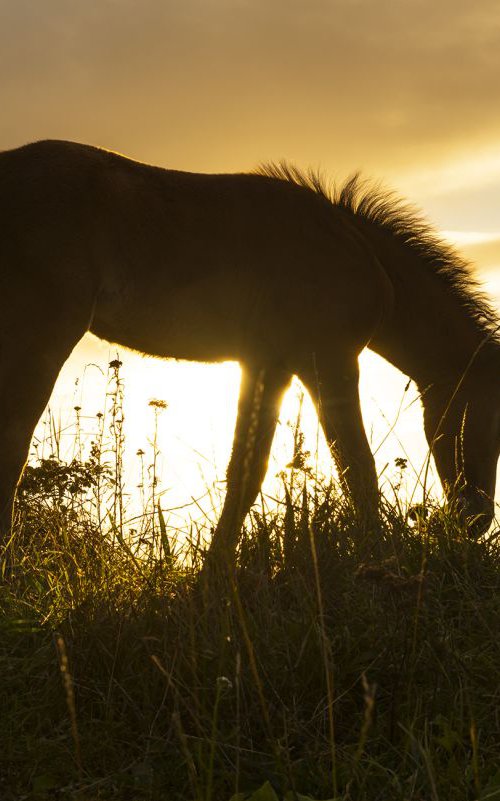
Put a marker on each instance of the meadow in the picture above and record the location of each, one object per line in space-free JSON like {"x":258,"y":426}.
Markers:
{"x":315,"y":672}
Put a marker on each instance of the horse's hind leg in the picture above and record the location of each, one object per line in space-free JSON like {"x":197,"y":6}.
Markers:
{"x":261,"y":392}
{"x":333,"y":385}
{"x":29,"y":365}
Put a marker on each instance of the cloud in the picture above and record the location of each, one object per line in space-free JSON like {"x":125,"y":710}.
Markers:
{"x":486,"y":256}
{"x":473,"y":207}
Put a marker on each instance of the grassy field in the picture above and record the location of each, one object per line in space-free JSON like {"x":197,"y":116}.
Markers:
{"x":312,"y":673}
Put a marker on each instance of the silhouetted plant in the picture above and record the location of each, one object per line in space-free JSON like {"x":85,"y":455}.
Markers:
{"x":52,"y":481}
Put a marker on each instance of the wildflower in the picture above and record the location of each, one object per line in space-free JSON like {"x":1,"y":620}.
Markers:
{"x":156,"y":403}
{"x":115,"y":364}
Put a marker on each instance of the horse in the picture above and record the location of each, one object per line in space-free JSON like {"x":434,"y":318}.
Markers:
{"x":272,"y":268}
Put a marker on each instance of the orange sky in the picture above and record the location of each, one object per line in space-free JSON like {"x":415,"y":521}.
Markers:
{"x":407,"y":91}
{"x":392,"y":88}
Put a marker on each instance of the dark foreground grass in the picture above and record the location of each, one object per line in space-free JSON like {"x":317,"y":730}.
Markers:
{"x":314,"y":671}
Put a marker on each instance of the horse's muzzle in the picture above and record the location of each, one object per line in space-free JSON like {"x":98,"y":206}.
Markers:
{"x":477,"y":512}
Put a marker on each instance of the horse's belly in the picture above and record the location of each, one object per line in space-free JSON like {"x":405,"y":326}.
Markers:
{"x":208,"y":321}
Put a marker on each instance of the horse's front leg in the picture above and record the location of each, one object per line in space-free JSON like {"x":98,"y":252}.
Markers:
{"x":29,"y":367}
{"x":335,"y":389}
{"x":25,"y":389}
{"x":261,"y":392}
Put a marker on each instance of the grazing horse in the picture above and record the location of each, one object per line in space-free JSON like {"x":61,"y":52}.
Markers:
{"x":270,"y":269}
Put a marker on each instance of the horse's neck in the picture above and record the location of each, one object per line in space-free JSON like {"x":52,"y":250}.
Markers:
{"x":428,"y":335}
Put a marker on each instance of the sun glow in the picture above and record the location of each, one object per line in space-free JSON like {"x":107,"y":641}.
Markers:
{"x":195,"y":429}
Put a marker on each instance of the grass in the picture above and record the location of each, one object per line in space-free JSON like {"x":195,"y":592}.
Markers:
{"x":313,"y":673}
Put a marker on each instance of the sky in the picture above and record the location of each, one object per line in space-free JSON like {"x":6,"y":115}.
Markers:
{"x":407,"y":91}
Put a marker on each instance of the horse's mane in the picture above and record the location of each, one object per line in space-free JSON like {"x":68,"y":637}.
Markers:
{"x":386,"y":210}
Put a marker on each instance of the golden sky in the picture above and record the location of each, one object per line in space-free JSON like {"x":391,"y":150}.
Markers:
{"x":407,"y":91}
{"x":399,"y":89}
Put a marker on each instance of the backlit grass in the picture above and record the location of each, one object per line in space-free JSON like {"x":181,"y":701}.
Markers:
{"x":313,"y":671}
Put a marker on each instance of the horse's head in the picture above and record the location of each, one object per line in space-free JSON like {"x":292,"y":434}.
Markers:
{"x":462,"y":427}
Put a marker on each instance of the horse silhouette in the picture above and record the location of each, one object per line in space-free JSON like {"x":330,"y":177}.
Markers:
{"x":271,"y":269}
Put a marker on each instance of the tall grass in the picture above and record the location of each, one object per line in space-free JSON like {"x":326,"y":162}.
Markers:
{"x":311,"y":673}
